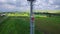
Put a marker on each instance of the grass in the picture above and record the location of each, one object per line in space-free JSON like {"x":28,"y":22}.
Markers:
{"x":20,"y":25}
{"x":2,"y":18}
{"x":48,"y":25}
{"x":16,"y":25}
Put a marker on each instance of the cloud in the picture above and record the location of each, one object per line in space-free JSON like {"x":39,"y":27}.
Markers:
{"x":10,"y":5}
{"x":51,"y":1}
{"x":7,"y":7}
{"x":2,"y":0}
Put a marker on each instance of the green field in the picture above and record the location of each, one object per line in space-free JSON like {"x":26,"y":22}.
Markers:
{"x":19,"y":24}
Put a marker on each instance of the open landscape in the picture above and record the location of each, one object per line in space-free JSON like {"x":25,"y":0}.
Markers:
{"x":29,"y":16}
{"x":19,"y":23}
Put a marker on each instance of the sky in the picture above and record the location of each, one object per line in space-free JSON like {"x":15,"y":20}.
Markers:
{"x":21,"y":5}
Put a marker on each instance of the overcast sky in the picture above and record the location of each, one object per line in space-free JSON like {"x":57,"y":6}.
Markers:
{"x":17,"y":5}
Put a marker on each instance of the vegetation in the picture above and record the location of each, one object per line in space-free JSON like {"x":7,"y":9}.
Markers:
{"x":18,"y":23}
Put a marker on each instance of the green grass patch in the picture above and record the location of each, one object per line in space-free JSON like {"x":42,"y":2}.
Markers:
{"x":21,"y":25}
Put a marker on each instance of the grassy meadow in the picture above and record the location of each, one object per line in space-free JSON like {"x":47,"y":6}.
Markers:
{"x":19,"y":23}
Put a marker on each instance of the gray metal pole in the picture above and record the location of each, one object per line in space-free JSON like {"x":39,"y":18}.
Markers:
{"x":31,"y":18}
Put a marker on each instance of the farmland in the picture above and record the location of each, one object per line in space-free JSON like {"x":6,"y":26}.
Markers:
{"x":19,"y":24}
